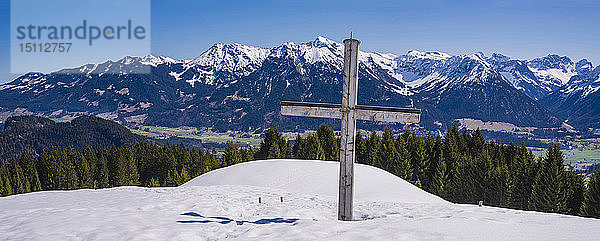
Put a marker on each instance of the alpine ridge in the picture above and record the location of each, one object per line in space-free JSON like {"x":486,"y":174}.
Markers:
{"x":234,"y":86}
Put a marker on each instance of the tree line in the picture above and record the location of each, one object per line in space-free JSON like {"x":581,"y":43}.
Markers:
{"x":34,"y":133}
{"x":141,"y":164}
{"x":462,"y":167}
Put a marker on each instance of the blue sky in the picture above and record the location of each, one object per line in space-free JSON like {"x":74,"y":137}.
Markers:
{"x":520,"y":29}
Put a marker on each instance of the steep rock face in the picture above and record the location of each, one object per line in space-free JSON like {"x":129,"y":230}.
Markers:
{"x":233,"y":86}
{"x":468,"y":86}
{"x":578,"y":101}
{"x":540,"y":76}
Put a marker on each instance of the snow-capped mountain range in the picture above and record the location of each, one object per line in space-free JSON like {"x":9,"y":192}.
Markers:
{"x":234,"y":86}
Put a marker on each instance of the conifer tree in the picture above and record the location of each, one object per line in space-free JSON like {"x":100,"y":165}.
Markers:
{"x":6,"y":187}
{"x":274,"y":152}
{"x":328,"y":143}
{"x":133,"y":177}
{"x":387,"y":154}
{"x":482,"y":176}
{"x":461,"y":188}
{"x":549,"y":189}
{"x":274,"y":145}
{"x":591,"y":203}
{"x":102,"y":174}
{"x":65,"y":168}
{"x":404,"y":168}
{"x":418,"y":156}
{"x":361,"y":148}
{"x":210,"y":162}
{"x":3,"y":184}
{"x":185,"y":177}
{"x":477,"y":142}
{"x":523,"y":173}
{"x":171,"y":180}
{"x":284,"y":147}
{"x":247,"y":154}
{"x":20,"y":184}
{"x":575,"y":193}
{"x":452,"y":158}
{"x":154,"y":182}
{"x":429,"y":163}
{"x":496,"y":186}
{"x":30,"y":171}
{"x":47,"y":166}
{"x":266,"y":145}
{"x":122,"y":168}
{"x":232,"y":154}
{"x":297,"y":147}
{"x":438,"y":181}
{"x":84,"y":173}
{"x":312,"y":148}
{"x":437,"y":171}
{"x":373,"y":146}
{"x":462,"y":167}
{"x":2,"y":187}
{"x":69,"y":179}
{"x":92,"y":162}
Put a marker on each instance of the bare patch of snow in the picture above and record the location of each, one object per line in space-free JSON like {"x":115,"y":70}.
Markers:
{"x":123,"y":91}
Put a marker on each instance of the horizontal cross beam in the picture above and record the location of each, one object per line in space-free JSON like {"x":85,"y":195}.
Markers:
{"x":364,"y":112}
{"x":309,"y":109}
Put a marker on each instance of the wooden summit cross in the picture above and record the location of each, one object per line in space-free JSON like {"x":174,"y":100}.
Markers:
{"x":349,"y":112}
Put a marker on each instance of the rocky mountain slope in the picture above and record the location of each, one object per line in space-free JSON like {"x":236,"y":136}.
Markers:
{"x":233,"y":86}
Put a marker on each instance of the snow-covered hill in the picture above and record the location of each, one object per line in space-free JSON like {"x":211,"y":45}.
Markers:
{"x":302,"y":176}
{"x":216,"y":206}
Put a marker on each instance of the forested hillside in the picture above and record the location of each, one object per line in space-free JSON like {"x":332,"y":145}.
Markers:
{"x":33,"y":133}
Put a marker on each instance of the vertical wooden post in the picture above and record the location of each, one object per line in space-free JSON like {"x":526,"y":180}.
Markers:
{"x":348,"y":130}
{"x":349,"y":112}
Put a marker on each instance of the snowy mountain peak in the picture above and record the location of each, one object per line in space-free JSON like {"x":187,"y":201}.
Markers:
{"x":319,"y":50}
{"x":479,"y":56}
{"x":551,"y":61}
{"x":435,"y":55}
{"x":231,"y":55}
{"x":146,"y":60}
{"x":583,"y":66}
{"x":321,"y":41}
{"x":499,"y":58}
{"x":158,"y":60}
{"x":553,"y":70}
{"x":128,"y":60}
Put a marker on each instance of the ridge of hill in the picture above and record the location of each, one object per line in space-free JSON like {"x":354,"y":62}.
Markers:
{"x":33,"y":133}
{"x":317,"y":177}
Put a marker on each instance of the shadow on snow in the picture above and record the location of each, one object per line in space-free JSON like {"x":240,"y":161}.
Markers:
{"x":224,"y":220}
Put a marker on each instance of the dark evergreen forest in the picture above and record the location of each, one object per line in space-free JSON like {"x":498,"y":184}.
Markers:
{"x":462,"y":167}
{"x":34,"y":133}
